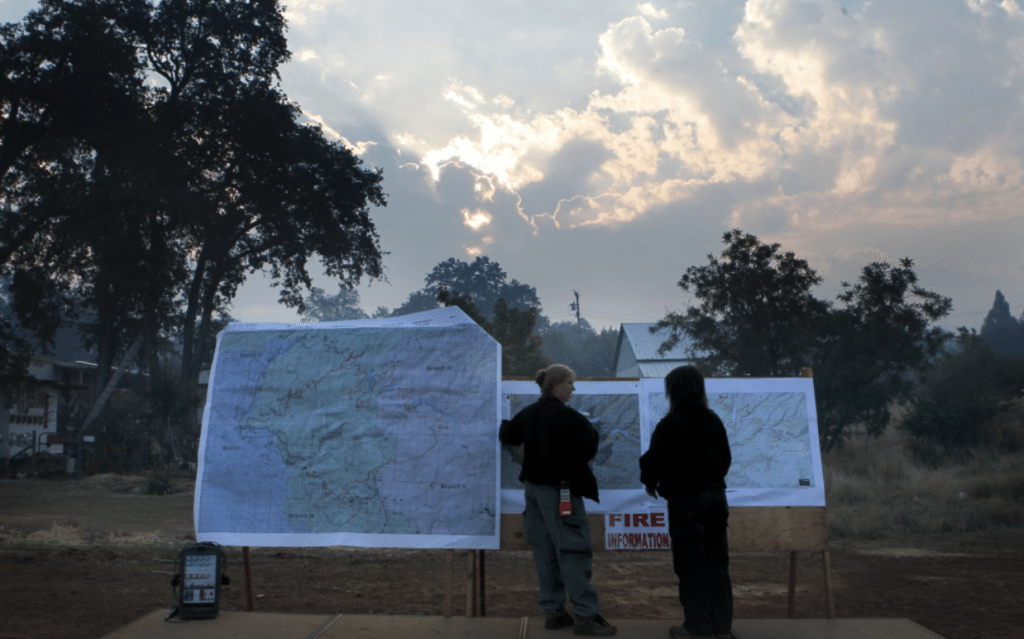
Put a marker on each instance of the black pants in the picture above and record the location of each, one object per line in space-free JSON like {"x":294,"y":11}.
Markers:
{"x":700,"y":556}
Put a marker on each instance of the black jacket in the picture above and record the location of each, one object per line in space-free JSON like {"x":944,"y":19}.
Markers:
{"x":689,"y":454}
{"x":558,"y":444}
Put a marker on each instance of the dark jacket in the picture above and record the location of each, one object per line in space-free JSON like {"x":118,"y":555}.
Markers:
{"x":558,"y":444}
{"x":689,"y":454}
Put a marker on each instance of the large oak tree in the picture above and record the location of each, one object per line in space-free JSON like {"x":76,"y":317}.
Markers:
{"x":150,"y":163}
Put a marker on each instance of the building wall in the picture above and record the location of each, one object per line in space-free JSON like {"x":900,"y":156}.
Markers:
{"x":30,"y":408}
{"x":32,"y":405}
{"x":627,"y":365}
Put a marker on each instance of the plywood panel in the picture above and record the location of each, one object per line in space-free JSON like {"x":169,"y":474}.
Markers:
{"x":750,"y":530}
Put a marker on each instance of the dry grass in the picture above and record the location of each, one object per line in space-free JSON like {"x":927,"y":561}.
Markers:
{"x":878,"y":490}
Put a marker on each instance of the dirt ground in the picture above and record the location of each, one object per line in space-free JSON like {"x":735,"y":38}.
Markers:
{"x":76,"y":561}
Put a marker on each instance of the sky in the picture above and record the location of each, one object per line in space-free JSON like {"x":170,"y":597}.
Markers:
{"x":606,"y":147}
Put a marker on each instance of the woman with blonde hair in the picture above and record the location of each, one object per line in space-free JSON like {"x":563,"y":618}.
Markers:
{"x":558,"y":445}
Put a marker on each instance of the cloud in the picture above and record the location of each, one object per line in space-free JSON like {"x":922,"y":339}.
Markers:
{"x":476,"y":219}
{"x":824,"y":107}
{"x":793,"y":119}
{"x":648,"y":10}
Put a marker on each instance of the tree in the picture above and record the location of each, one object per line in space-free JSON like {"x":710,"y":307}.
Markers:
{"x":949,"y":412}
{"x":79,"y":162}
{"x":485,"y":282}
{"x":150,"y":215}
{"x":1001,"y":330}
{"x":873,"y":348}
{"x":417,"y":302}
{"x":756,"y":316}
{"x":581,"y":348}
{"x":336,"y":308}
{"x":521,"y":349}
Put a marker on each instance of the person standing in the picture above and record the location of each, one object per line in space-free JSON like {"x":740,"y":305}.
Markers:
{"x":686,"y":464}
{"x":558,"y":444}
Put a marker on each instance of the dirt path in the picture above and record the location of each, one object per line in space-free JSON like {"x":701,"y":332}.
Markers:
{"x":76,"y":559}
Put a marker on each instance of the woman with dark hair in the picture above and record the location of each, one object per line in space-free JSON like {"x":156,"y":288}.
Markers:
{"x":558,"y":444}
{"x":686,"y":464}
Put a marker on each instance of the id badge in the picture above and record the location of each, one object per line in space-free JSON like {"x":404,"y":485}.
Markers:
{"x":564,"y":499}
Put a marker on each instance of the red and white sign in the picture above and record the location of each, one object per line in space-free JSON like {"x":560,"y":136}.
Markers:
{"x":637,"y":531}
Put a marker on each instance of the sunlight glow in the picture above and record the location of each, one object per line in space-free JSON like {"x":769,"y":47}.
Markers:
{"x":476,"y":219}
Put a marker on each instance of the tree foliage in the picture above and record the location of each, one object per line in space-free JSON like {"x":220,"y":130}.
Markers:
{"x":151,"y":163}
{"x":417,"y":302}
{"x":949,"y":413}
{"x":873,"y":348}
{"x":1001,"y":330}
{"x":320,"y":307}
{"x":521,"y":350}
{"x":757,"y":316}
{"x":581,"y":348}
{"x":485,"y":282}
{"x":757,"y":313}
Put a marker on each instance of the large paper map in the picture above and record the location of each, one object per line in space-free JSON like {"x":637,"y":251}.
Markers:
{"x":773,"y":438}
{"x":616,"y":417}
{"x":614,"y":408}
{"x":378,"y":432}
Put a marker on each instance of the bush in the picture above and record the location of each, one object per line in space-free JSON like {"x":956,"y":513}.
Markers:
{"x":954,"y":410}
{"x":160,"y":484}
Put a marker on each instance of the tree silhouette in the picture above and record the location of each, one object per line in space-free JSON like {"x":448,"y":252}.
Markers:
{"x":1001,"y":330}
{"x":581,"y":348}
{"x":758,"y":317}
{"x":873,"y":347}
{"x":320,"y":307}
{"x":147,"y":204}
{"x":485,"y":282}
{"x":521,"y":350}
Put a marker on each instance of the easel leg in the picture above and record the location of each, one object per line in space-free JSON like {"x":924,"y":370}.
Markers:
{"x":792,"y":584}
{"x":449,"y":565}
{"x":471,"y":585}
{"x":250,"y":603}
{"x":830,"y":602}
{"x":482,"y":574}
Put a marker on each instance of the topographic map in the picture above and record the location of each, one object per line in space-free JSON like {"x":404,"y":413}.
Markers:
{"x":769,"y":436}
{"x":616,"y":418}
{"x":356,"y":433}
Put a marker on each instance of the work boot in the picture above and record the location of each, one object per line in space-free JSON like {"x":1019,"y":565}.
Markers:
{"x":595,"y":626}
{"x":557,"y":619}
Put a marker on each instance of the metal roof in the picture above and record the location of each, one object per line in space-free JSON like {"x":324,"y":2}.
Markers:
{"x":645,"y":344}
{"x":658,"y":369}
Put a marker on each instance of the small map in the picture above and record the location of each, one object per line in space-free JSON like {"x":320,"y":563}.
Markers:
{"x":768,"y":437}
{"x":617,"y":420}
{"x":351,"y":433}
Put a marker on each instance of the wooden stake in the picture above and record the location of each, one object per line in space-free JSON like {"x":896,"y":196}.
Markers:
{"x":830,"y":603}
{"x":471,"y":585}
{"x":449,"y":566}
{"x":250,"y":603}
{"x":792,"y":584}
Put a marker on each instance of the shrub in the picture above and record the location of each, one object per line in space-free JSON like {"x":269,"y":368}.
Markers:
{"x":953,"y":413}
{"x":160,"y":484}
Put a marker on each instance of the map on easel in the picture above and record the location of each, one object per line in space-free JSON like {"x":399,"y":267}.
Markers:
{"x":363,"y":433}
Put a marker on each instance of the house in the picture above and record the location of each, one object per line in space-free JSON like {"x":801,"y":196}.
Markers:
{"x":636,"y":353}
{"x":32,"y":403}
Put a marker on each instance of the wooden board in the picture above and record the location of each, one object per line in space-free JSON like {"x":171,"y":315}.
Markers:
{"x":750,"y":530}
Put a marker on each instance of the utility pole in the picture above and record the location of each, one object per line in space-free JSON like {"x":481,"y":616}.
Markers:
{"x":575,"y":306}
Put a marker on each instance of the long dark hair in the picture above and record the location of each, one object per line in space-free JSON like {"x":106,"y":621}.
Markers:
{"x":684,"y":387}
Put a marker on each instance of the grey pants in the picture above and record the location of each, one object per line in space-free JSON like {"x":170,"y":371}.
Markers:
{"x":562,"y":552}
